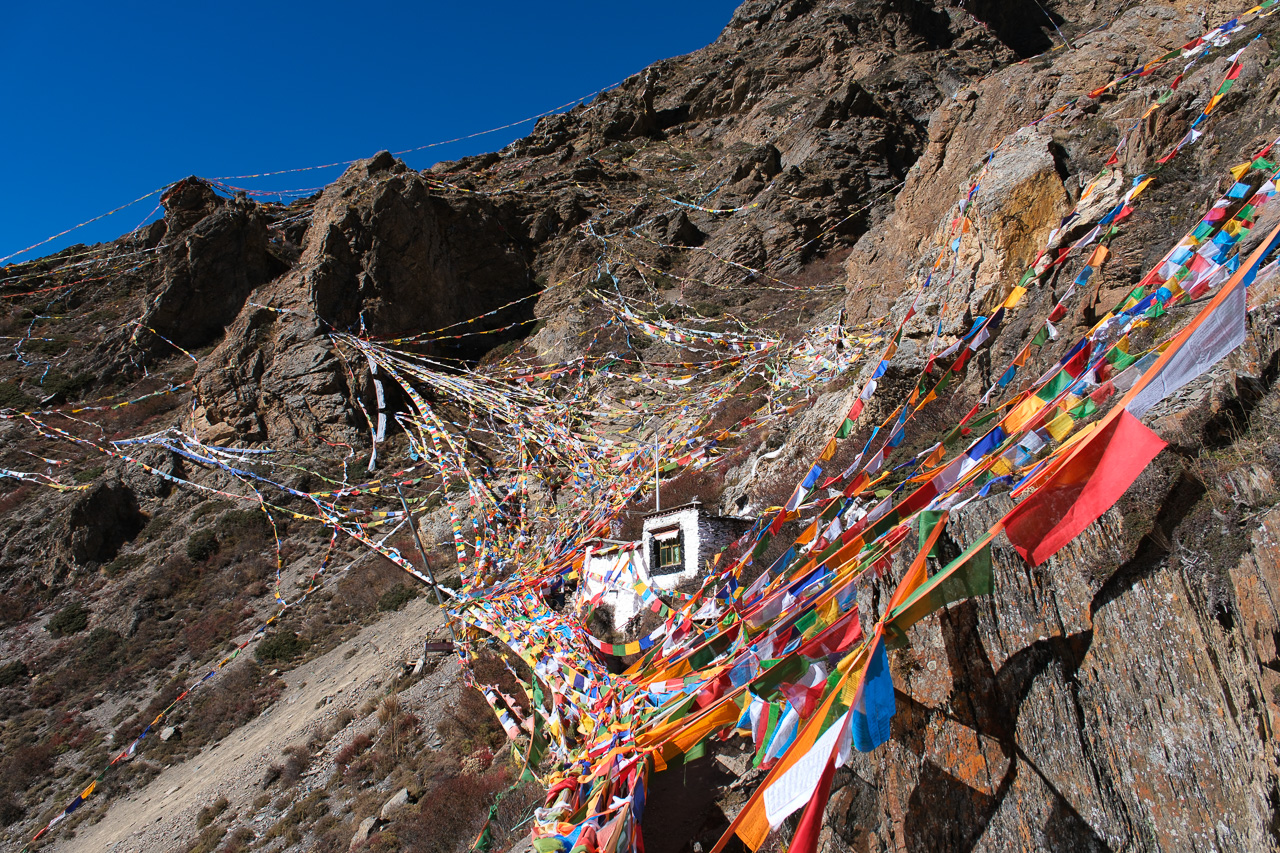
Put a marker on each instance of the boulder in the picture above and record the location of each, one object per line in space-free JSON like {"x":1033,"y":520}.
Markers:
{"x":99,"y":522}
{"x":215,"y":252}
{"x":395,"y":804}
{"x":363,"y":831}
{"x":385,"y":254}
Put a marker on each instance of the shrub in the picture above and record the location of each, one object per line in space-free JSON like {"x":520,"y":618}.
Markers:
{"x":238,"y":840}
{"x":210,"y":813}
{"x":202,"y":545}
{"x":299,"y":758}
{"x":71,"y":619}
{"x":100,"y":653}
{"x":239,"y":696}
{"x":215,"y":627}
{"x":10,"y":811}
{"x":244,"y":524}
{"x":12,"y":397}
{"x":88,"y":475}
{"x":12,"y":500}
{"x":208,"y":840}
{"x":26,"y":764}
{"x":396,"y":597}
{"x":453,"y":808}
{"x":281,"y":647}
{"x":348,"y":753}
{"x":13,"y":672}
{"x":157,"y":525}
{"x":65,"y":385}
{"x":470,"y":724}
{"x":122,"y":564}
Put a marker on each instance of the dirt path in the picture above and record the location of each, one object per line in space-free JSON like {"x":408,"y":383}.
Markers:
{"x":162,"y":816}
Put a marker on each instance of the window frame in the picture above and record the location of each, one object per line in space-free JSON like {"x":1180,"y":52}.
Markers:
{"x":656,"y":565}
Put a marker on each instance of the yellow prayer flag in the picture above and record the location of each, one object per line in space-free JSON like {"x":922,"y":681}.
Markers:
{"x":828,"y":613}
{"x":1061,"y":426}
{"x":1014,"y":297}
{"x":1022,"y":414}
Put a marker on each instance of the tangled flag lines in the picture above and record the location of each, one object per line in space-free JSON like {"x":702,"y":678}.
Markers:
{"x":784,"y":660}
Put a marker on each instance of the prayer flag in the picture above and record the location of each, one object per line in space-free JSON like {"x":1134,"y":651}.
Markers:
{"x":966,"y":576}
{"x":1092,"y":478}
{"x":874,"y":707}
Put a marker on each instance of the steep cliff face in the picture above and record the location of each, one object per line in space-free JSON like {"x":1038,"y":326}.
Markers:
{"x":805,"y":116}
{"x":383,"y":255}
{"x":1122,"y":695}
{"x":817,"y":161}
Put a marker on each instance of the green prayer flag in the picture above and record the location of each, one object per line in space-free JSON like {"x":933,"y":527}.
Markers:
{"x":807,"y":621}
{"x":979,"y":423}
{"x":964,"y":577}
{"x":832,"y":510}
{"x":789,"y":669}
{"x":1085,"y":409}
{"x":1119,"y":359}
{"x":1055,"y":386}
{"x":928,"y":520}
{"x":1041,"y":338}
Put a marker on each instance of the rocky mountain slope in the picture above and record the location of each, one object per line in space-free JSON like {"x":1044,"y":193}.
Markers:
{"x":822,"y":176}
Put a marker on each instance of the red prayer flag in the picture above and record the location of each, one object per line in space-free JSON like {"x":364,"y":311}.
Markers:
{"x":1078,"y":362}
{"x":1086,"y":485}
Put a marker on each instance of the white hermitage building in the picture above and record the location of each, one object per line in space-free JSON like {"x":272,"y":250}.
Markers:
{"x":674,"y":548}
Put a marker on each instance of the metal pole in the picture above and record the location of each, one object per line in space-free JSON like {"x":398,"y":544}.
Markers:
{"x":435,"y":587}
{"x":657,"y":475}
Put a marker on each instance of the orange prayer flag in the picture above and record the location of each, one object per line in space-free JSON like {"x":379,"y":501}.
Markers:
{"x":917,"y":574}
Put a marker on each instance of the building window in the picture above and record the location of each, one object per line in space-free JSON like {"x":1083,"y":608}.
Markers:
{"x":668,"y":554}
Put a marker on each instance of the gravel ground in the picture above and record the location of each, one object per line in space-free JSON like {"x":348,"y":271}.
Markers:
{"x":162,"y":816}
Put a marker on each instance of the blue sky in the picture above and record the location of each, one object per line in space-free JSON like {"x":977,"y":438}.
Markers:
{"x":105,"y":102}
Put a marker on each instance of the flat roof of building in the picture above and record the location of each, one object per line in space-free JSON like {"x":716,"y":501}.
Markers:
{"x":693,"y":504}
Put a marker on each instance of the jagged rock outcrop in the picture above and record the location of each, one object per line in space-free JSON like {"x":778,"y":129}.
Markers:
{"x":384,"y":254}
{"x":100,"y":521}
{"x":214,"y":252}
{"x":799,"y":114}
{"x":1122,"y":696}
